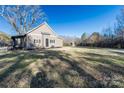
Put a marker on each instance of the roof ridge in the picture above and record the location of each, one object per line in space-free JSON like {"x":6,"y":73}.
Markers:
{"x":41,"y":25}
{"x":51,"y":28}
{"x":35,"y":27}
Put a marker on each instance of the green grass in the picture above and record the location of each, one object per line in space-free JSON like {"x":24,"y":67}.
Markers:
{"x":62,"y":67}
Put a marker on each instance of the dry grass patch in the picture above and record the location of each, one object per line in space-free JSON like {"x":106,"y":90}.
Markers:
{"x":62,"y":67}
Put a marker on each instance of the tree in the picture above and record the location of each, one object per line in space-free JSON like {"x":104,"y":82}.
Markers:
{"x":94,"y":38}
{"x":4,"y":39}
{"x":83,"y":38}
{"x":108,"y":33}
{"x":22,"y":18}
{"x":119,"y":30}
{"x":77,"y":41}
{"x":107,"y":37}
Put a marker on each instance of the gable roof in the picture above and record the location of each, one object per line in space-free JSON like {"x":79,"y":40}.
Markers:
{"x":44,"y":23}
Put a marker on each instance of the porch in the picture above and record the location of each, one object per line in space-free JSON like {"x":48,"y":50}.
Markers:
{"x":18,"y":42}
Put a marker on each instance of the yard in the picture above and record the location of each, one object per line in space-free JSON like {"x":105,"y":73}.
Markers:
{"x":62,"y":67}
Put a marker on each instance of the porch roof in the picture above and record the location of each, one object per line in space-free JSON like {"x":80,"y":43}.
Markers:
{"x":18,"y":36}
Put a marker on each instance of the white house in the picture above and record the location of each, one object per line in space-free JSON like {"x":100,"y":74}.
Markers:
{"x":40,"y":37}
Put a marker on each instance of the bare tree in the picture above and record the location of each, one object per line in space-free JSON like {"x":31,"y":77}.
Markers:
{"x":108,"y":33}
{"x":22,"y":18}
{"x":119,"y":27}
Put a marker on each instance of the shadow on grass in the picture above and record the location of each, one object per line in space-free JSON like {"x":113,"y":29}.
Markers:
{"x":91,"y":55}
{"x":107,"y":68}
{"x":89,"y":79}
{"x":16,"y":65}
{"x":119,"y":52}
{"x":101,"y":59}
{"x":41,"y":80}
{"x":109,"y":76}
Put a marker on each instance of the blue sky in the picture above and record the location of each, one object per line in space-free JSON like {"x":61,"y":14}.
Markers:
{"x":74,"y":20}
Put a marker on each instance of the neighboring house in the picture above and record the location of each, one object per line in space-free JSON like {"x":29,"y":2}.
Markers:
{"x":40,"y":37}
{"x":73,"y":43}
{"x":69,"y":41}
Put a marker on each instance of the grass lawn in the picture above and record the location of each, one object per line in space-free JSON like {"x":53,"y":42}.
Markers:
{"x":62,"y":67}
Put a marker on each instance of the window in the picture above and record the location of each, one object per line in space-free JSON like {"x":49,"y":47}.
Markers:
{"x":35,"y":41}
{"x":52,"y":41}
{"x":39,"y":41}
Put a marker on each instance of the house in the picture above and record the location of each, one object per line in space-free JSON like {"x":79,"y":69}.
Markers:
{"x":69,"y":41}
{"x":40,"y":37}
{"x":73,"y":43}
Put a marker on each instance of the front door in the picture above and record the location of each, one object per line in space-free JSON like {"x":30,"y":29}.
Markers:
{"x":47,"y":42}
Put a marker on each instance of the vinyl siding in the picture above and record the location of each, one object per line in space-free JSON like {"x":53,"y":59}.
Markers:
{"x":40,"y":35}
